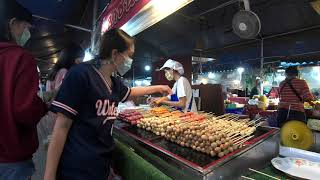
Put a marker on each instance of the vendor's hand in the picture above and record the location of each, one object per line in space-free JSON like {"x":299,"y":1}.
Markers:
{"x":153,"y":104}
{"x":161,"y":100}
{"x":149,"y":100}
{"x":164,"y":89}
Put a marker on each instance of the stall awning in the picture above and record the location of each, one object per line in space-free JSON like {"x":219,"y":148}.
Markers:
{"x":134,"y":16}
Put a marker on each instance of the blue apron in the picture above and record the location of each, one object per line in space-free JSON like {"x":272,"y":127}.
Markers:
{"x":174,"y":98}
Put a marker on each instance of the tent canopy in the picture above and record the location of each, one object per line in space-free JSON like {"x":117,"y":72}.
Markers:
{"x":203,"y":24}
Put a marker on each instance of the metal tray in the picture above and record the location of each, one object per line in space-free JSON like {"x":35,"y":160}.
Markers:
{"x":182,"y":156}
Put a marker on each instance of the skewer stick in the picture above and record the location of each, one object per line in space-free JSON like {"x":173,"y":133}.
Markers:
{"x":244,"y":140}
{"x":234,"y":135}
{"x":231,"y":116}
{"x":222,"y":116}
{"x":259,"y":124}
{"x":233,"y":119}
{"x":264,"y":174}
{"x":259,"y":119}
{"x":254,"y":121}
{"x":246,"y":120}
{"x":244,"y":177}
{"x":237,"y":138}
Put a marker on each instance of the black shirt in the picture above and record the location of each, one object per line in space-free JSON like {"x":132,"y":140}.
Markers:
{"x":87,"y":99}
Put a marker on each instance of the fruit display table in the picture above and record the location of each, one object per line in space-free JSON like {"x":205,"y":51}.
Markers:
{"x":269,"y":115}
{"x":240,"y":100}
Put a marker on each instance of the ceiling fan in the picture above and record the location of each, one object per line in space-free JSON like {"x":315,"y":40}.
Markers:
{"x":245,"y":23}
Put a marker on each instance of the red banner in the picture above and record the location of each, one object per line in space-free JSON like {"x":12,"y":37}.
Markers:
{"x":121,"y":11}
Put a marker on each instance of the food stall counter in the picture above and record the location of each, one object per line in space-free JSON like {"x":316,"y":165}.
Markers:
{"x":184,"y":163}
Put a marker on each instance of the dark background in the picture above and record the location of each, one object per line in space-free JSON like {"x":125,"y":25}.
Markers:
{"x":187,"y":29}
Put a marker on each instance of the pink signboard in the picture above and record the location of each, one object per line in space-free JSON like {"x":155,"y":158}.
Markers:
{"x":119,"y":12}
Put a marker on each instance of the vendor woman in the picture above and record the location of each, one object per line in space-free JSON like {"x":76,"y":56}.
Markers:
{"x":182,"y":97}
{"x":293,"y":93}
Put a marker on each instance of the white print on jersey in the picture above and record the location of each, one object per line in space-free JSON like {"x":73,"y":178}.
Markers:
{"x":111,"y":130}
{"x":106,"y":108}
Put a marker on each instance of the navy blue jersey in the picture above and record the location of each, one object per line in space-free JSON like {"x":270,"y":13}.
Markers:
{"x":91,"y":103}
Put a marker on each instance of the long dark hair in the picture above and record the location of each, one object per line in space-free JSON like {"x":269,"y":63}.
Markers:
{"x":11,"y":9}
{"x":66,"y":59}
{"x":114,"y":39}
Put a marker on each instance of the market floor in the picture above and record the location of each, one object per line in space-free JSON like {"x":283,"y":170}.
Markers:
{"x":39,"y":158}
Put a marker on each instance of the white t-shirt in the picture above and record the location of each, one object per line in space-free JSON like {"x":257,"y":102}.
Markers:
{"x":183,"y":89}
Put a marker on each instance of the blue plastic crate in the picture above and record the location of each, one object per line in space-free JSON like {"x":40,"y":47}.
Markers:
{"x":234,"y":110}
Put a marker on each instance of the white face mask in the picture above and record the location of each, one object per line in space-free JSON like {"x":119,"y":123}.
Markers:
{"x":126,"y":66}
{"x":25,"y":36}
{"x":169,"y":74}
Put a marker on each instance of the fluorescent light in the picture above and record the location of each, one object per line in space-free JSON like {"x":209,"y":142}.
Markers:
{"x":49,"y":43}
{"x":147,"y":68}
{"x":240,"y":70}
{"x":196,"y":59}
{"x":204,"y":81}
{"x":316,"y":68}
{"x":138,"y":82}
{"x":55,"y":60}
{"x":166,"y":7}
{"x":266,"y":83}
{"x":87,"y":56}
{"x":211,"y":75}
{"x":236,"y":82}
{"x":150,"y":14}
{"x":146,"y":82}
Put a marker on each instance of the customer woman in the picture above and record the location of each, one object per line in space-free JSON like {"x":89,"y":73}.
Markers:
{"x":86,"y":105}
{"x":293,"y":93}
{"x":69,"y":56}
{"x":20,"y":107}
{"x":182,"y":98}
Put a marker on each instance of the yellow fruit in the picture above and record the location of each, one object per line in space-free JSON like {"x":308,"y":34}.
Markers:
{"x":263,"y":99}
{"x":296,"y":134}
{"x":307,"y":105}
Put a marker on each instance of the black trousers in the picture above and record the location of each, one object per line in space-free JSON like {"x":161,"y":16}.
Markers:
{"x":282,"y":116}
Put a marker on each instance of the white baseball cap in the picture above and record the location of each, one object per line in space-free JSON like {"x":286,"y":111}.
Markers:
{"x":175,"y":65}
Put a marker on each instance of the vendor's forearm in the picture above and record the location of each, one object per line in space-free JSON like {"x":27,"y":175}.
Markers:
{"x":159,"y":100}
{"x":175,"y":104}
